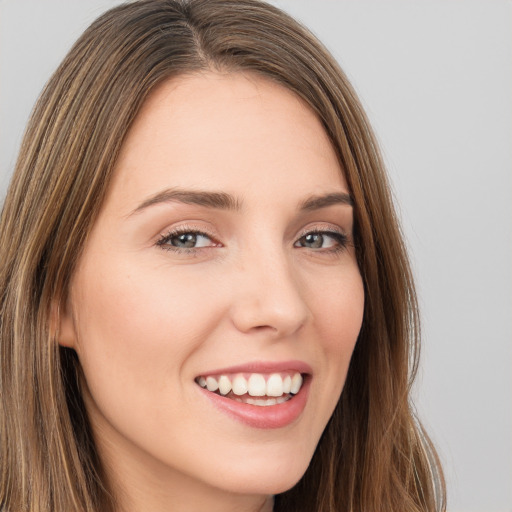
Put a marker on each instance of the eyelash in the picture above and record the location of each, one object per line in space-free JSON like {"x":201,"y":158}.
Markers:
{"x":340,"y":237}
{"x":163,"y":242}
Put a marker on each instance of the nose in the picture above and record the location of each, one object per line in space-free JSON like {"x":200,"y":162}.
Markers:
{"x":269,"y":297}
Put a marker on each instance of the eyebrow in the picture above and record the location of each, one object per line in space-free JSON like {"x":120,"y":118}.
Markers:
{"x":218,"y":200}
{"x":317,"y":202}
{"x":224,"y":201}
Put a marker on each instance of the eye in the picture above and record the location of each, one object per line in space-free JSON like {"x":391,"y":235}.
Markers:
{"x":327,"y":240}
{"x":186,"y":239}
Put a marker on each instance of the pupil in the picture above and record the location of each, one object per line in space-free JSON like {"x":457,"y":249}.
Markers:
{"x":186,"y":240}
{"x":314,"y":240}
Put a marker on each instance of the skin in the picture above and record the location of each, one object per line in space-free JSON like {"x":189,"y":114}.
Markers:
{"x":146,"y":320}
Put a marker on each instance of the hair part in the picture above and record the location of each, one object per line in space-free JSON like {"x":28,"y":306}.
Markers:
{"x":373,"y":455}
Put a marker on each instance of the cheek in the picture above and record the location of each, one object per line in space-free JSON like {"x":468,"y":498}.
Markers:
{"x":138,"y":326}
{"x":338,"y":313}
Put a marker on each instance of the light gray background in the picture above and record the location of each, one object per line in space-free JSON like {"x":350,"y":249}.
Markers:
{"x":436,"y":79}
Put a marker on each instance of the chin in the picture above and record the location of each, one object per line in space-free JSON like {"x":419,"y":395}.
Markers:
{"x":269,"y":478}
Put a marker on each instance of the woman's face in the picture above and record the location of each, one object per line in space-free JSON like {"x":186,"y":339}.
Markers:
{"x":222,"y":257}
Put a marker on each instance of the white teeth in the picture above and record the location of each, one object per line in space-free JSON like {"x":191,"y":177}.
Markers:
{"x":257,"y":385}
{"x":275,"y":385}
{"x":265,"y":402}
{"x":239,"y":385}
{"x":211,"y":384}
{"x":224,"y":385}
{"x":287,"y":384}
{"x":296,"y":383}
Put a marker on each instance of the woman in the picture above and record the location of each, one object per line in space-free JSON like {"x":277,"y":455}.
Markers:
{"x":206,"y":301}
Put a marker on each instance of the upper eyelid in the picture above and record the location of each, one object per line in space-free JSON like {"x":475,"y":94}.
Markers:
{"x":189,"y":228}
{"x":320,"y":229}
{"x":325,"y":227}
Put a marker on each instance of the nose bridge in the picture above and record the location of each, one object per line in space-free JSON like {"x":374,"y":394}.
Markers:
{"x":269,"y":294}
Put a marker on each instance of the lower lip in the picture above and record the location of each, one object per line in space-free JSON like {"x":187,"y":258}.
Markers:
{"x":264,"y":417}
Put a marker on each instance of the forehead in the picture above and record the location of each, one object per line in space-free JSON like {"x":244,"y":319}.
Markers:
{"x":226,"y":131}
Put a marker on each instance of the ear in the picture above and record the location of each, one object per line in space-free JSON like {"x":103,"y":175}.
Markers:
{"x":61,"y":323}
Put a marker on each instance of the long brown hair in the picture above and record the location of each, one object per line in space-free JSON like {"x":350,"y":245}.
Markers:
{"x":373,"y":455}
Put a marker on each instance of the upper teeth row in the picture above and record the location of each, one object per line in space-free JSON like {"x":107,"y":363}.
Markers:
{"x":255,"y":385}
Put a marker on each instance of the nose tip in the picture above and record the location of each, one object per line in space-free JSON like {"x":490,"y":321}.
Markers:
{"x":269,"y":301}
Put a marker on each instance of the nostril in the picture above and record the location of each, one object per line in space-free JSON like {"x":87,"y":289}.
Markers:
{"x":264,"y":328}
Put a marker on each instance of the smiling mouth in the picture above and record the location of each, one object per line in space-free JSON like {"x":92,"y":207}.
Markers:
{"x":260,"y":389}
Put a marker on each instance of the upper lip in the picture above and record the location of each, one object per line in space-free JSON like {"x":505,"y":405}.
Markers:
{"x":263,"y":367}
